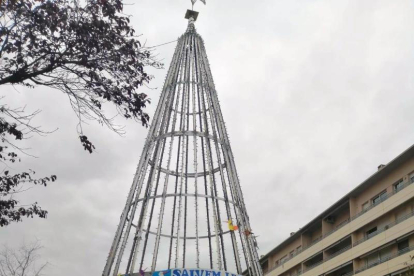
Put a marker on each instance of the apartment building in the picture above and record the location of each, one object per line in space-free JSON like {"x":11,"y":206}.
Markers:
{"x":368,"y":232}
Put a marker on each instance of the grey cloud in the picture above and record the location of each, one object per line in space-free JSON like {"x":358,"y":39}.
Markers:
{"x":315,"y":95}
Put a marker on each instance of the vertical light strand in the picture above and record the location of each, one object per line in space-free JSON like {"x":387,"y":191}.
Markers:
{"x":135,"y":187}
{"x":185,"y":39}
{"x":172,"y":90}
{"x":170,"y":77}
{"x":186,"y":129}
{"x":222,"y":177}
{"x":209,"y":155}
{"x":220,"y":140}
{"x":195,"y":138}
{"x":182,"y":155}
{"x":217,"y":223}
{"x":166,"y":180}
{"x":233,"y":180}
{"x":146,"y":198}
{"x":244,"y":220}
{"x":137,"y":238}
{"x":130,"y":206}
{"x":203,"y":155}
{"x":147,"y":232}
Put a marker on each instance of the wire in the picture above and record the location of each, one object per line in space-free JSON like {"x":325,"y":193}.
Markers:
{"x":162,"y":44}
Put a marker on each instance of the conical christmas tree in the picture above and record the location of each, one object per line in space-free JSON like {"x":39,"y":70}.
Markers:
{"x":185,"y":207}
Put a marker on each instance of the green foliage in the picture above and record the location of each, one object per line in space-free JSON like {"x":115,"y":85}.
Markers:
{"x":11,"y":184}
{"x":87,"y":50}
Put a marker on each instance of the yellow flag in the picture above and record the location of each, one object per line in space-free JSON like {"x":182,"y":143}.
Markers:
{"x":231,"y":227}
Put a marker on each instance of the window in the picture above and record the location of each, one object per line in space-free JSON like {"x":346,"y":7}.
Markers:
{"x":291,"y":253}
{"x":398,"y":185}
{"x":372,"y":259}
{"x":412,"y":177}
{"x":299,"y":248}
{"x":385,"y":253}
{"x":365,"y":206}
{"x":265,"y":266}
{"x":403,"y":245}
{"x":378,"y":256}
{"x":380,"y":197}
{"x":371,"y":232}
{"x":283,"y":259}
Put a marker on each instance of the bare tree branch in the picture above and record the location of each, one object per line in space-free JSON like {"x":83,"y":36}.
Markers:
{"x":22,"y":261}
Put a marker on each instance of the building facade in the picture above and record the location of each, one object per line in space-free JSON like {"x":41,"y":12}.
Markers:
{"x":368,"y":232}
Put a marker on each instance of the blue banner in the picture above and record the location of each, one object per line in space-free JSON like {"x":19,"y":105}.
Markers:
{"x":192,"y":272}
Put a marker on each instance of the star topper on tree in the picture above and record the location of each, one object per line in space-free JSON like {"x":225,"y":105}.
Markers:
{"x":194,"y":1}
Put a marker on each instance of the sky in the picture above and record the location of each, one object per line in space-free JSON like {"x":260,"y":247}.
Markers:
{"x":315,"y":95}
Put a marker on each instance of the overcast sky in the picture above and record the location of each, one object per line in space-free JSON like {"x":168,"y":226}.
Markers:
{"x":316,"y":94}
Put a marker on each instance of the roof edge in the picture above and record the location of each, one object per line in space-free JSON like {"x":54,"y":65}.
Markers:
{"x":402,"y":157}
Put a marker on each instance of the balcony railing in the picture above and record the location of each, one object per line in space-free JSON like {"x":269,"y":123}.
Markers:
{"x":345,"y":222}
{"x":385,"y":228}
{"x":313,"y":266}
{"x":383,"y":198}
{"x":347,"y":274}
{"x":339,"y":252}
{"x":297,"y":274}
{"x":385,"y":259}
{"x":336,"y":228}
{"x":373,"y":234}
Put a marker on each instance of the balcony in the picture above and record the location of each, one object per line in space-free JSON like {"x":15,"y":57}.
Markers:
{"x":332,"y":252}
{"x":342,"y":271}
{"x":383,"y":198}
{"x":295,"y":271}
{"x":349,"y":274}
{"x":338,"y":248}
{"x":346,"y":245}
{"x":385,"y":228}
{"x":313,"y":262}
{"x":384,"y":259}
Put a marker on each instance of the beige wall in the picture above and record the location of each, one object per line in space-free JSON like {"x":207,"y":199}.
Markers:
{"x":387,"y":267}
{"x":388,"y":218}
{"x":384,"y":184}
{"x":284,"y":252}
{"x":310,"y":235}
{"x":353,"y":206}
{"x":404,"y":209}
{"x":316,"y":234}
{"x":340,"y":217}
{"x":380,"y":222}
{"x":292,"y":271}
{"x":393,"y":249}
{"x":411,"y":240}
